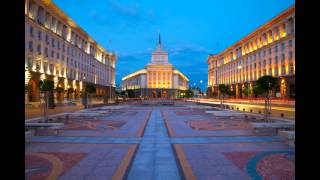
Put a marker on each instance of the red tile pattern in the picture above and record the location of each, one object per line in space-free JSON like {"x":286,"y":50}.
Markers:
{"x":277,"y":166}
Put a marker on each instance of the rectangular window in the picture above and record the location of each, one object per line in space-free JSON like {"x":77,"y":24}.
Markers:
{"x":275,"y":48}
{"x":276,"y":60}
{"x":264,"y":53}
{"x":63,"y":48}
{"x":58,"y":44}
{"x":31,"y":31}
{"x":39,"y":35}
{"x":62,"y":57}
{"x":52,"y":53}
{"x":282,"y":46}
{"x":290,"y":55}
{"x":58,"y":55}
{"x":30,"y":46}
{"x":291,"y":69}
{"x":52,"y":42}
{"x":282,"y":58}
{"x":47,"y":38}
{"x":270,"y":51}
{"x":290,"y":43}
{"x":270,"y":61}
{"x":283,"y":70}
{"x":46,"y":51}
{"x":39,"y":49}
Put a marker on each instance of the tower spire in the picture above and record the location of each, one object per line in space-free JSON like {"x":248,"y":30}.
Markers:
{"x":159,"y":41}
{"x":159,"y":46}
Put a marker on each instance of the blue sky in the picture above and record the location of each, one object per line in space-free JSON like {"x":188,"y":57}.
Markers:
{"x":190,"y":30}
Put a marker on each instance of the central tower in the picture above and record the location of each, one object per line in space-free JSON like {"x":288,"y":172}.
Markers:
{"x":159,"y":56}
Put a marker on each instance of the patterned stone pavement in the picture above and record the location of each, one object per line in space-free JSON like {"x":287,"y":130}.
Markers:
{"x":144,"y":142}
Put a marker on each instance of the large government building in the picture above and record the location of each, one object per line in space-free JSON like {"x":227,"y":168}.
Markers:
{"x":56,"y":48}
{"x":158,"y":79}
{"x":269,"y":50}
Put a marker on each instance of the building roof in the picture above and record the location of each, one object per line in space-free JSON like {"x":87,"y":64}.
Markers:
{"x":63,"y":16}
{"x":260,"y":29}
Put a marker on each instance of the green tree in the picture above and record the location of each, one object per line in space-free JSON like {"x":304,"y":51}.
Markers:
{"x":48,"y":86}
{"x":257,"y":90}
{"x":90,"y":89}
{"x":265,"y":84}
{"x":223,"y":89}
{"x":246,"y":91}
{"x":189,"y":93}
{"x":130,"y":93}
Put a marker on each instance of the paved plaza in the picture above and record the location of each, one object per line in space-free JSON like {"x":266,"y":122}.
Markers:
{"x":139,"y":141}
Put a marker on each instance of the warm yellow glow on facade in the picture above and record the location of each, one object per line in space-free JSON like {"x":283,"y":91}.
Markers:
{"x":269,"y":37}
{"x":250,"y":47}
{"x":255,"y":45}
{"x":180,"y":74}
{"x":42,"y":77}
{"x":80,"y":85}
{"x":66,"y":86}
{"x":74,"y":84}
{"x":27,"y":76}
{"x":55,"y":81}
{"x":142,"y":71}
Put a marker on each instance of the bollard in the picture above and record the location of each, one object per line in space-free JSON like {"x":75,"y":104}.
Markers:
{"x":244,"y":109}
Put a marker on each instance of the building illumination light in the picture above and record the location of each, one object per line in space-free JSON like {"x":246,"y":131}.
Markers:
{"x":42,"y":77}
{"x":27,"y":77}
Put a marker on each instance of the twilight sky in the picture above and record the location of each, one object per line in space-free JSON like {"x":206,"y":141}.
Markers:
{"x":190,"y":30}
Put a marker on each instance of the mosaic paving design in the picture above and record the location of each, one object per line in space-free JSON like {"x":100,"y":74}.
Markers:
{"x":49,"y":165}
{"x":197,"y":123}
{"x":211,"y":125}
{"x":94,"y":125}
{"x":120,"y":123}
{"x":156,"y":142}
{"x":73,"y":161}
{"x":238,"y":161}
{"x":188,"y":113}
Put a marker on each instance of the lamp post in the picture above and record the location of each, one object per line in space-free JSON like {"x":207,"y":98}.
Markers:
{"x":248,"y":89}
{"x":239,"y":68}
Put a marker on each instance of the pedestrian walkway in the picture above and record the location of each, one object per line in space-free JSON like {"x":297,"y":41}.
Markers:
{"x":168,"y":147}
{"x":155,"y":158}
